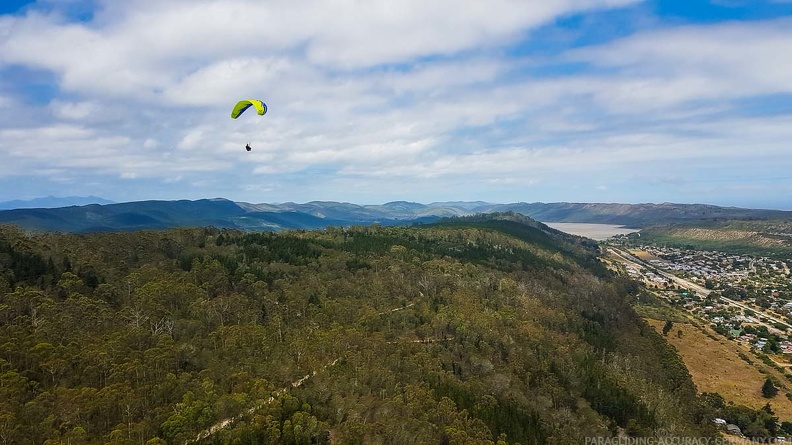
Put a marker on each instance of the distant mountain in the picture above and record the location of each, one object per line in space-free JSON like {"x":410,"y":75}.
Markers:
{"x":50,"y":202}
{"x":466,"y":205}
{"x":632,"y":215}
{"x":126,"y":216}
{"x":223,"y":213}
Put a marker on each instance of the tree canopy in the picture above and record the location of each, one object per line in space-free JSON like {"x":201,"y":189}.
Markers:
{"x":473,"y":332}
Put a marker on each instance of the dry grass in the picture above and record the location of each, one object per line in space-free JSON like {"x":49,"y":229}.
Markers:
{"x":716,"y":367}
{"x":644,"y":255}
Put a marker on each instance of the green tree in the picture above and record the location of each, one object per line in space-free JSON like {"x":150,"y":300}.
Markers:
{"x":769,"y":390}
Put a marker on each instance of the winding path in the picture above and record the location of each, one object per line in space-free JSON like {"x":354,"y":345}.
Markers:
{"x":225,"y":423}
{"x":278,"y":393}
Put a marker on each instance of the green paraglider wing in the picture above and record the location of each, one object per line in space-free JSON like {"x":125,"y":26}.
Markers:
{"x":243,"y":105}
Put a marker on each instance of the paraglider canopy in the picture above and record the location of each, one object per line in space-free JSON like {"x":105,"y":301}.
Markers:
{"x":243,"y":105}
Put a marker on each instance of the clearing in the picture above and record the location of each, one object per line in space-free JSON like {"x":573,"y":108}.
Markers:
{"x":644,"y":255}
{"x":716,"y":366}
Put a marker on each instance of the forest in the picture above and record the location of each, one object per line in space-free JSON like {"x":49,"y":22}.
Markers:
{"x":477,"y":330}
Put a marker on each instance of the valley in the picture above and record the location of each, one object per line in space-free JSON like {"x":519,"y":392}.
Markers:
{"x":727,"y":314}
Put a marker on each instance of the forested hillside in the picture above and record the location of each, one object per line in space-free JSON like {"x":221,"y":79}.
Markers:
{"x":476,"y":331}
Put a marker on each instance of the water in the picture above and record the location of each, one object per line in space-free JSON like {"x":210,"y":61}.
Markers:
{"x":589,"y":230}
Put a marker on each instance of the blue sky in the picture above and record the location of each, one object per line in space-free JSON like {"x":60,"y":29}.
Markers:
{"x":502,"y":101}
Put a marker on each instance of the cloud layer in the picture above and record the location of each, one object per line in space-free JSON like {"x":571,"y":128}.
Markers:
{"x":377,"y":100}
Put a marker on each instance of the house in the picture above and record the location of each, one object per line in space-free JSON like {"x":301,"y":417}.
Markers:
{"x":733,"y":429}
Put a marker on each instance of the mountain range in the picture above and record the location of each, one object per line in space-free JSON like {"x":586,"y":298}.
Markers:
{"x":224,"y":213}
{"x":52,"y":202}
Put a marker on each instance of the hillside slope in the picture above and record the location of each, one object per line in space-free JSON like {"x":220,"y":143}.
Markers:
{"x":760,"y":237}
{"x":633,"y":215}
{"x":468,"y":331}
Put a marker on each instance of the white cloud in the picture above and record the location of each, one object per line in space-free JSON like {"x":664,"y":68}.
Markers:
{"x":376,"y":97}
{"x":72,"y":110}
{"x":71,"y":147}
{"x":136,"y":48}
{"x":219,"y":82}
{"x":721,"y":61}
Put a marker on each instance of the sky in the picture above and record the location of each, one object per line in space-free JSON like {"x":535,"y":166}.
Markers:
{"x":371,"y":101}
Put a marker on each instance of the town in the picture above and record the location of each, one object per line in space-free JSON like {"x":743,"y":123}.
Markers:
{"x":743,"y":297}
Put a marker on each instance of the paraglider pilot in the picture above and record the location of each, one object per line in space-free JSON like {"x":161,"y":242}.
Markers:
{"x":242,"y":105}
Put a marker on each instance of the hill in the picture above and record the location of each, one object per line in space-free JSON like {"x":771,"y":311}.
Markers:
{"x":471,"y":330}
{"x":53,"y":202}
{"x":772,"y":237}
{"x":223,"y":213}
{"x":635,"y":215}
{"x":126,"y":216}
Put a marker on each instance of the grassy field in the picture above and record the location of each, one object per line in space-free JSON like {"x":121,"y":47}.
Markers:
{"x":644,"y":255}
{"x":716,"y":366}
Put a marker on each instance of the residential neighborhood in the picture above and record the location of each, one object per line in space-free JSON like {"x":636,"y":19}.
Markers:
{"x":728,"y":315}
{"x":745,"y":298}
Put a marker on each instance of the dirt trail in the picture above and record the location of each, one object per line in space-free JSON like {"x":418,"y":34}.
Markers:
{"x":397,"y":309}
{"x":278,"y":393}
{"x":295,"y":384}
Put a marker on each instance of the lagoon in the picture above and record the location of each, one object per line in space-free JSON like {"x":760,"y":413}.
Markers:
{"x":589,"y":230}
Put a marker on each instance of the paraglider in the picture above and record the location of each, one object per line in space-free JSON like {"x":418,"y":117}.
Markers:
{"x":243,"y":105}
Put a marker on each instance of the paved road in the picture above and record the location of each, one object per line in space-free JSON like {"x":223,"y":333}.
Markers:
{"x":637,"y":262}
